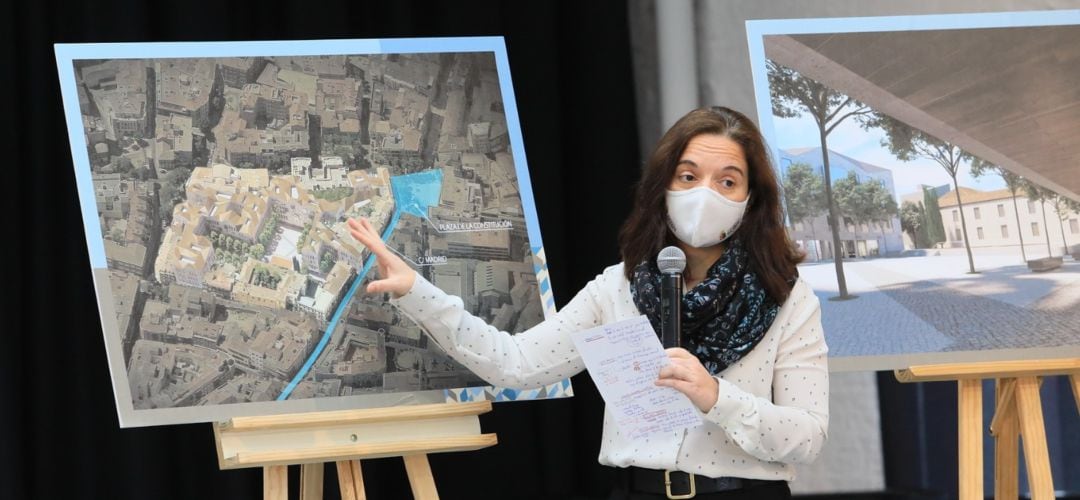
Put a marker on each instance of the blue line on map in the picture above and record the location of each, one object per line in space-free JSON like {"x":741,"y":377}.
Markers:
{"x":412,"y":191}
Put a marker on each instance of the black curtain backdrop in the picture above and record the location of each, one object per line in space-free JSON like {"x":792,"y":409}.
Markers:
{"x":571,"y":66}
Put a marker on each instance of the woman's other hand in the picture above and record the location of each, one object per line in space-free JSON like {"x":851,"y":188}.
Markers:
{"x":687,"y":375}
{"x":396,"y":277}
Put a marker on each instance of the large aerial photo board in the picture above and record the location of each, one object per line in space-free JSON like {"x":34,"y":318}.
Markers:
{"x":216,"y":180}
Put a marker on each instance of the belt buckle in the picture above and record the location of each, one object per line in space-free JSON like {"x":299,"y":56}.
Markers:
{"x":667,"y":487}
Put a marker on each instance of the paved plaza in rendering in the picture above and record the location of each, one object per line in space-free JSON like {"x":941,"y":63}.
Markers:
{"x":931,"y":303}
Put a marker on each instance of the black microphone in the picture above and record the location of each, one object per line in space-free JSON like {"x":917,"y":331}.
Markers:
{"x":671,"y":262}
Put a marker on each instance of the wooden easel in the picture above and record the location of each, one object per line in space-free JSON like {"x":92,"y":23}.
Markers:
{"x":1017,"y":412}
{"x":345,"y":437}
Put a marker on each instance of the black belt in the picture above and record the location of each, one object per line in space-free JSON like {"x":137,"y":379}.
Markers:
{"x":679,"y":484}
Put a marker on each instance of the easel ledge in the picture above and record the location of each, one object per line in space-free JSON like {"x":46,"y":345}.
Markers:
{"x":1018,"y":412}
{"x":989,"y":369}
{"x":312,"y":439}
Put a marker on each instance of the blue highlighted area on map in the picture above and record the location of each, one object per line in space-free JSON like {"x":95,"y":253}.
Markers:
{"x":413,"y":194}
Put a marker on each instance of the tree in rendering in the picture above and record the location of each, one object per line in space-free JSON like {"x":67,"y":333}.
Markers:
{"x":879,"y":204}
{"x":850,"y":202}
{"x":935,"y":229}
{"x":913,"y":222}
{"x":804,"y":195}
{"x":908,"y":143}
{"x":793,"y":95}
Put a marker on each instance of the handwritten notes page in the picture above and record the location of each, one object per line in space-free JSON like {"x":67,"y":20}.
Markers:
{"x":624,"y":360}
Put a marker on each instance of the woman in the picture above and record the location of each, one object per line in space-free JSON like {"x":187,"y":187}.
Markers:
{"x":755,"y":361}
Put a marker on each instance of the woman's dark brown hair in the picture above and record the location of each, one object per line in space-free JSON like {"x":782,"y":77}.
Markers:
{"x":772,"y":255}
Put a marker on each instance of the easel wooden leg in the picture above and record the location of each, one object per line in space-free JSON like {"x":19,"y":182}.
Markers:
{"x":1018,"y":410}
{"x":420,"y":477}
{"x":1005,"y":430}
{"x":1036,"y":454}
{"x":311,"y":481}
{"x":276,"y":482}
{"x":351,"y":480}
{"x":970,"y":439}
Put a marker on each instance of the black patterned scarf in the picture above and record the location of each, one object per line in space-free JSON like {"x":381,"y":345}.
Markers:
{"x":723,"y":317}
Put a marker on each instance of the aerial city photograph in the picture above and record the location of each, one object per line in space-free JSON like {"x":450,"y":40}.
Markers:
{"x":223,"y":188}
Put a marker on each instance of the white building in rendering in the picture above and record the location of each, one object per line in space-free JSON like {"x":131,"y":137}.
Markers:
{"x":857,"y":240}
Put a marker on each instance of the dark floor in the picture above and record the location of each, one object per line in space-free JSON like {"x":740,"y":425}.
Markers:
{"x":913,"y":495}
{"x":894,"y":495}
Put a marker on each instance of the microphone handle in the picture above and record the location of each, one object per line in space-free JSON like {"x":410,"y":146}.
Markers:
{"x":671,"y":285}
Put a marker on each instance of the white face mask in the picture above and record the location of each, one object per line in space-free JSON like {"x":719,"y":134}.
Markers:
{"x":701,"y":217}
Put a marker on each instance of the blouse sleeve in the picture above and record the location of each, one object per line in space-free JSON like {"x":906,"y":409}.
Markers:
{"x":793,"y":426}
{"x":541,"y":355}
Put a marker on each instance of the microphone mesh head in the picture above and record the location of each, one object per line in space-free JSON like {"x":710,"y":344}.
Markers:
{"x":671,"y":260}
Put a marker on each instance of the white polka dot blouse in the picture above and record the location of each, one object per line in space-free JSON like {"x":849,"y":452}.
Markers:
{"x":772,"y":409}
